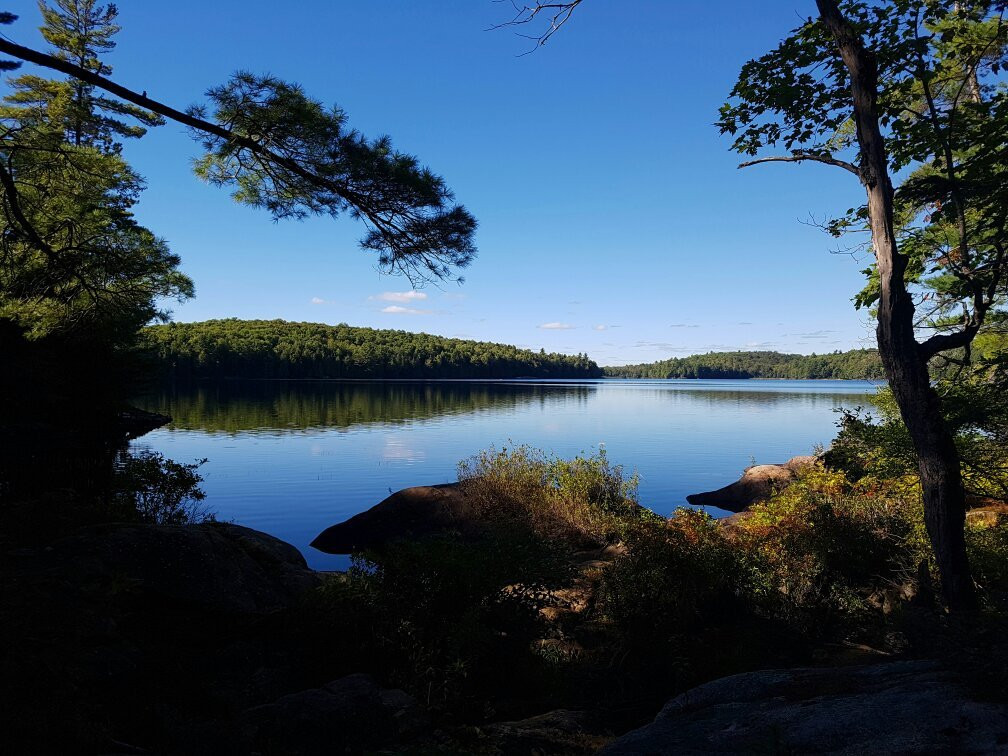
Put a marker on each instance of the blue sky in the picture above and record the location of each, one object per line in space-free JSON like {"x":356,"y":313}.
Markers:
{"x":613,"y":220}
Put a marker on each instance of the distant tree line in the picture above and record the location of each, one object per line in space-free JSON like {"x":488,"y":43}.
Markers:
{"x":863,"y":364}
{"x":233,"y":348}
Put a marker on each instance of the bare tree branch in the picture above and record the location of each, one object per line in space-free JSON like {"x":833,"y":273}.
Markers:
{"x":527,"y":14}
{"x":802,"y":157}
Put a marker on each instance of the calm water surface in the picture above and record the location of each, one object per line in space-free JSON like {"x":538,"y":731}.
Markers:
{"x":292,"y":458}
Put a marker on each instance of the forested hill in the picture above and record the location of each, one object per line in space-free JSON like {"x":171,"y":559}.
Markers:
{"x":235,"y":348}
{"x":856,"y":364}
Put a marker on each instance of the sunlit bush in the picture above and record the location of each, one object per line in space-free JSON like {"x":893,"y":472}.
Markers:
{"x":822,"y":546}
{"x":987,"y":546}
{"x":586,"y":500}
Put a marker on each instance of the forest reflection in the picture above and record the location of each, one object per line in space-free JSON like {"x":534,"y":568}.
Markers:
{"x":285,"y":406}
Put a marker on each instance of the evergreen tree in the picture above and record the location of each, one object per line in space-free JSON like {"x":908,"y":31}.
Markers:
{"x":78,"y":275}
{"x":80,"y":31}
{"x":72,"y":257}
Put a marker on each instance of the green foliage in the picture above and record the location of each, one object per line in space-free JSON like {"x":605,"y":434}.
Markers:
{"x":158,"y":490}
{"x":674,"y":580}
{"x":80,"y":32}
{"x":880,"y":446}
{"x":316,"y":165}
{"x":942,"y":109}
{"x":277,"y":349}
{"x":456,"y":619}
{"x":988,"y":549}
{"x":863,"y":364}
{"x":823,"y":547}
{"x":72,"y":258}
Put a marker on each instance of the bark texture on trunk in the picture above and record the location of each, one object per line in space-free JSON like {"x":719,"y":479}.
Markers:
{"x":904,"y":362}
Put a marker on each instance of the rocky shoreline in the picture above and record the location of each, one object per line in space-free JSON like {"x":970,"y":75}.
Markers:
{"x":182,"y":634}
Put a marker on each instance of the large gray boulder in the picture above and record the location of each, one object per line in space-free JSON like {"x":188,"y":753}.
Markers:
{"x":757,"y":483}
{"x":217,"y":567}
{"x":900,"y":707}
{"x":410,"y":513}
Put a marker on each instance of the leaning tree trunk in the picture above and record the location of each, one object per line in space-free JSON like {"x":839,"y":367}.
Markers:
{"x":905,"y":365}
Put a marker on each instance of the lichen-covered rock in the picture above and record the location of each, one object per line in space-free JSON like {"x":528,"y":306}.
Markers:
{"x":555,"y":732}
{"x":987,"y":513}
{"x":899,"y":707}
{"x":756,"y":484}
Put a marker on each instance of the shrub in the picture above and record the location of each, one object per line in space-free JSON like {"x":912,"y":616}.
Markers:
{"x":987,"y":546}
{"x":823,"y":546}
{"x":585,"y":501}
{"x":158,"y":490}
{"x":673,"y":579}
{"x":451,"y":621}
{"x":879,"y":445}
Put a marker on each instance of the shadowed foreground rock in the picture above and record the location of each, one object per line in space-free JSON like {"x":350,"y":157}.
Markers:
{"x":410,"y":513}
{"x":756,"y":484}
{"x":900,"y":707}
{"x":150,"y":635}
{"x":557,"y":732}
{"x":215,"y":566}
{"x":347,"y":714}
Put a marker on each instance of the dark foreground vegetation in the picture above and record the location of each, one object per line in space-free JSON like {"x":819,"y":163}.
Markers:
{"x":235,"y":348}
{"x":857,"y":364}
{"x":552,"y":593}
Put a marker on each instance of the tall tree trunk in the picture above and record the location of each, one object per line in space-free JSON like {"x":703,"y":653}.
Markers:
{"x":905,"y":365}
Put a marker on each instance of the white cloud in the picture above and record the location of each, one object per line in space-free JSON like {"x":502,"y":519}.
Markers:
{"x":400,"y":296}
{"x":556,"y":326}
{"x":399,"y":310}
{"x":317,"y":300}
{"x":600,"y":327}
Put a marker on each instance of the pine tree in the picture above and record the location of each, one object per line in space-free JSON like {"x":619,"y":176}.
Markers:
{"x":72,"y":258}
{"x":80,"y":31}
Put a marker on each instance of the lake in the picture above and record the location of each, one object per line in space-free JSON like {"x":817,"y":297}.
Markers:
{"x":293,"y":457}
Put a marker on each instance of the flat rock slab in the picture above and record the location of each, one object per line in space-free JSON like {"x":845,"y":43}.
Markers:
{"x":556,"y":732}
{"x":410,"y":513}
{"x":352,"y":714}
{"x":756,"y":484}
{"x":989,"y":513}
{"x":899,"y":707}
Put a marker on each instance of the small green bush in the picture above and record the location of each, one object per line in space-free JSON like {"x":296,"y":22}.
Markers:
{"x":878,"y":444}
